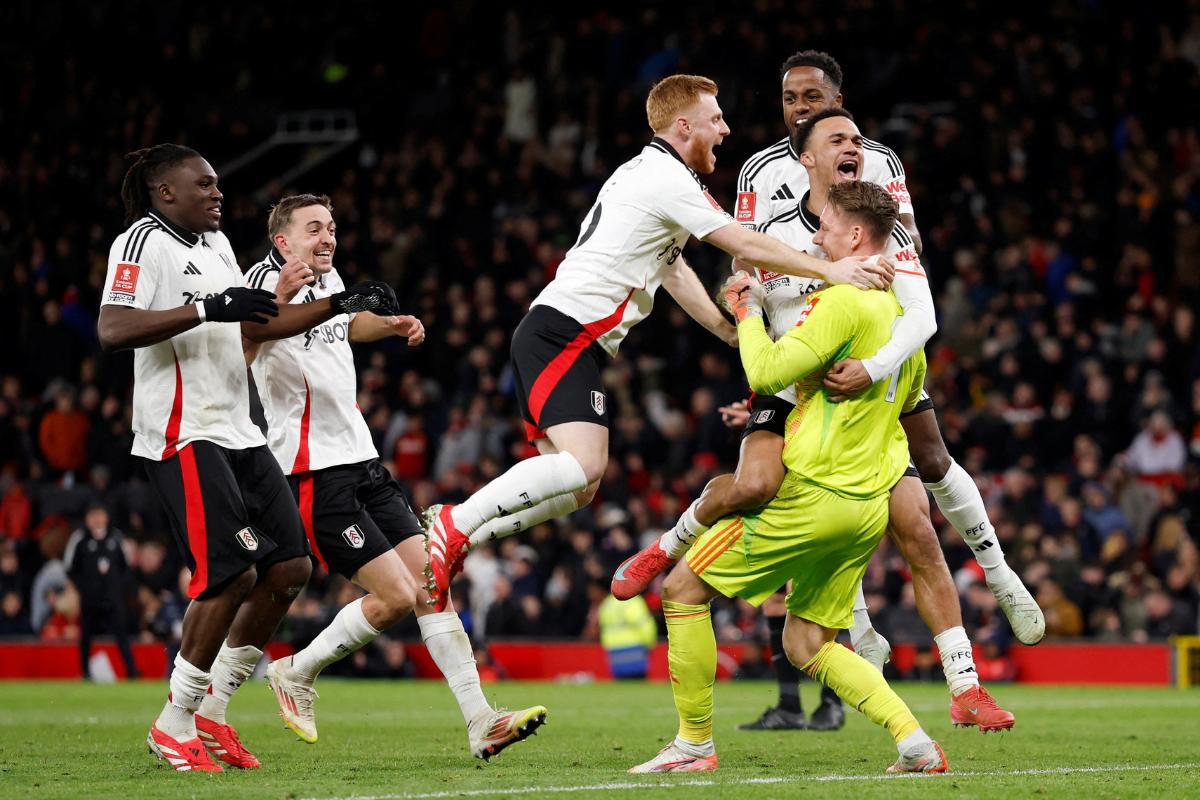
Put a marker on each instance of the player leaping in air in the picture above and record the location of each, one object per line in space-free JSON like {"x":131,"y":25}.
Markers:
{"x":823,"y":525}
{"x":629,"y":244}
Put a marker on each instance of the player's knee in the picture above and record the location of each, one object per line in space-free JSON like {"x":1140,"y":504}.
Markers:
{"x":931,"y":460}
{"x":398,"y":602}
{"x":240,"y":586}
{"x":584,"y":496}
{"x":289,"y":577}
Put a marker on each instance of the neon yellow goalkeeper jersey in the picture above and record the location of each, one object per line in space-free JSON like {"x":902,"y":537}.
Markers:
{"x":855,"y":448}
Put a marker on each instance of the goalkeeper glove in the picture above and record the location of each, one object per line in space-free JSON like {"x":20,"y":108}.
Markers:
{"x":241,"y":304}
{"x":743,"y":296}
{"x":374,"y":296}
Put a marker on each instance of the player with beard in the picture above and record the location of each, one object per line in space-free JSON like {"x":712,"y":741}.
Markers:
{"x":629,"y":244}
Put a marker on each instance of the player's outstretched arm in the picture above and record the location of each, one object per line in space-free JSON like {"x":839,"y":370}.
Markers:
{"x":770,"y":366}
{"x":373,"y":296}
{"x":682,"y":283}
{"x":121,"y":327}
{"x":771,"y":254}
{"x":372,"y":328}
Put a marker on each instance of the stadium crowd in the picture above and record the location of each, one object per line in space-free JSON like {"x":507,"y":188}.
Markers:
{"x":1056,"y":181}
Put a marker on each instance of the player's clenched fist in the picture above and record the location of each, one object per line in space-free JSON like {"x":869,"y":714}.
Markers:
{"x":408,"y":327}
{"x":241,"y":304}
{"x":374,"y":296}
{"x":743,"y":296}
{"x":293,"y":276}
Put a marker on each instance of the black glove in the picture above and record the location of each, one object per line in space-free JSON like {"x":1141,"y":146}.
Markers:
{"x":241,"y":304}
{"x":374,"y":296}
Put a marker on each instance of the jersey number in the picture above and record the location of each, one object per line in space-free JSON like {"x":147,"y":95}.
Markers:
{"x":591,"y":228}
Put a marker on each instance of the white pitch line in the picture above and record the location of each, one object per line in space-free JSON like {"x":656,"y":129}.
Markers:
{"x":683,"y":784}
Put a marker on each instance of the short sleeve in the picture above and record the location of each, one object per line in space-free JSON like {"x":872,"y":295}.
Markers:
{"x":686,"y":203}
{"x":887,"y":170}
{"x":133,"y":271}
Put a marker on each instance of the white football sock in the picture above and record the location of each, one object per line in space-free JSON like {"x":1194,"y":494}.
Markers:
{"x":915,"y":743}
{"x":862,"y":620}
{"x":450,"y":649}
{"x":230,"y":670}
{"x":503,"y":527}
{"x":959,"y":499}
{"x":696,"y":750}
{"x":958,"y":660}
{"x":348,"y":632}
{"x":526,"y":484}
{"x":676,"y":541}
{"x":188,"y":688}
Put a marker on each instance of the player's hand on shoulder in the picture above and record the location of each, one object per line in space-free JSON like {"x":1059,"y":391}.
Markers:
{"x":862,"y":272}
{"x":374,"y":296}
{"x":294,"y":275}
{"x":846,"y":379}
{"x":735,"y":415}
{"x":408,"y":327}
{"x":241,"y":304}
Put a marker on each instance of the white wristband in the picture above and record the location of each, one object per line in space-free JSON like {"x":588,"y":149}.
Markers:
{"x":200,"y":310}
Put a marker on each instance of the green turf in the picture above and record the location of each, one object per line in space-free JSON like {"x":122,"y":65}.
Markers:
{"x":405,"y":739}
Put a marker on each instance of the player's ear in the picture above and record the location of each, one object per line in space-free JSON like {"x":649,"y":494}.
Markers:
{"x":165,"y":191}
{"x":806,"y":159}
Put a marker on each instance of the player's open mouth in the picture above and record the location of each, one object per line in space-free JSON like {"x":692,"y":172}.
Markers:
{"x":847,"y":169}
{"x":324,"y":255}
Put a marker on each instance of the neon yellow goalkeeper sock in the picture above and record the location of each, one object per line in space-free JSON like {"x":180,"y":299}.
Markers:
{"x":692,"y":658}
{"x":861,"y":685}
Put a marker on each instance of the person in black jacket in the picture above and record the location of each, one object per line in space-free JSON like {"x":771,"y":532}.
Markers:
{"x":96,"y":564}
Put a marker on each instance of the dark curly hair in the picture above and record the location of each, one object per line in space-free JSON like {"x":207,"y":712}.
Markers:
{"x":818,"y":59}
{"x":147,"y":169}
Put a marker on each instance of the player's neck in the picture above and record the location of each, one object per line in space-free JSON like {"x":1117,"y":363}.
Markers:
{"x":818,"y":196}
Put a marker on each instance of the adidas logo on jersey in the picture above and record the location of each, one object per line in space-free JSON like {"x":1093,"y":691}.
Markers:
{"x":783,"y":193}
{"x":191,"y":269}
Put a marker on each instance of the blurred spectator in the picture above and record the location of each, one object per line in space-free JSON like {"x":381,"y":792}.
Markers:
{"x":96,"y":563}
{"x":14,"y":619}
{"x":63,"y":432}
{"x":628,"y":633}
{"x":1063,"y":618}
{"x":1157,"y":453}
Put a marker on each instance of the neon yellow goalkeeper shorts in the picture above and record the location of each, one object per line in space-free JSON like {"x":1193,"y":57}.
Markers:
{"x":819,"y":540}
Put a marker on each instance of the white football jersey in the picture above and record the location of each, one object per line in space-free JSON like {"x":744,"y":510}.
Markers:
{"x":308,"y":385}
{"x":193,"y":385}
{"x":637,"y":228}
{"x":787,"y":295}
{"x":773,"y":179}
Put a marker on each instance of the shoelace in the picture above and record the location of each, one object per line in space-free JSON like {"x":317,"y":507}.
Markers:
{"x":304,"y":700}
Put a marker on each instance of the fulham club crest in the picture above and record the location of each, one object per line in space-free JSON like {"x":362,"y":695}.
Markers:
{"x":246,"y":538}
{"x":598,"y":403}
{"x":763,"y":416}
{"x":354,"y":537}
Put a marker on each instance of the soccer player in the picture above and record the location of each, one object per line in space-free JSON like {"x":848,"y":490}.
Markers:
{"x":173,"y":288}
{"x":629,"y":244}
{"x":830,"y":149}
{"x":355,"y":515}
{"x":769,"y":185}
{"x":826,"y":520}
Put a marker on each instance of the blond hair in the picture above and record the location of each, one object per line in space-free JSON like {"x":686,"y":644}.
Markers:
{"x":672,"y":95}
{"x":869,"y":203}
{"x":281,"y":212}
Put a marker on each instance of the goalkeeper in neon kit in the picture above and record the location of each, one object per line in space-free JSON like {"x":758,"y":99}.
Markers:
{"x":824,"y":524}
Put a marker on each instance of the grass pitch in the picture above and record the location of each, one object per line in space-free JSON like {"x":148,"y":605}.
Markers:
{"x":405,"y":741}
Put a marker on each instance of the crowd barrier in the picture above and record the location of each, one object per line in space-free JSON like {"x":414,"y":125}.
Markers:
{"x":1048,"y":663}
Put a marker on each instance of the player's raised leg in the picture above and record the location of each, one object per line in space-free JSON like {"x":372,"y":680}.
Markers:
{"x":938,"y":604}
{"x":572,"y":460}
{"x":692,"y":659}
{"x":812,"y":647}
{"x":960,"y":501}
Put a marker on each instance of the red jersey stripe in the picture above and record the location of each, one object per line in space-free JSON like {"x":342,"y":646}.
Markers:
{"x":301,"y":463}
{"x":543,"y":387}
{"x":171,"y":435}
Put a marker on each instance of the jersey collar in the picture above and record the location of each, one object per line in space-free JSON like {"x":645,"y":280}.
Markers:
{"x":811,"y":220}
{"x":182,"y":234}
{"x":659,"y":143}
{"x":792,"y":150}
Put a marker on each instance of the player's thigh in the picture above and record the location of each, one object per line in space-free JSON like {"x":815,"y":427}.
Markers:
{"x":345,"y":536}
{"x":208,"y":516}
{"x":388,"y":578}
{"x":723,"y":558}
{"x":910,"y":526}
{"x":760,"y":469}
{"x":925,"y":443}
{"x":834,"y":539}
